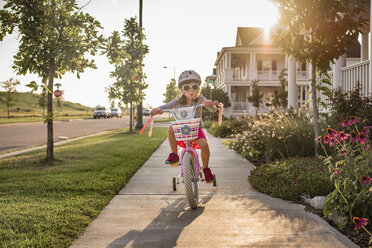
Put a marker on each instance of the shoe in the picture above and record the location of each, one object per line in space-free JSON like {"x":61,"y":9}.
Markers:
{"x":172,"y":159}
{"x":208,"y":175}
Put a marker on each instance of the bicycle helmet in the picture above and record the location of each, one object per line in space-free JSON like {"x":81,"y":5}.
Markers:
{"x":187,"y":77}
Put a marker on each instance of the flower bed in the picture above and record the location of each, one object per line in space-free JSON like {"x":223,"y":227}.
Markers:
{"x":275,"y":135}
{"x":289,"y":178}
{"x":350,"y":166}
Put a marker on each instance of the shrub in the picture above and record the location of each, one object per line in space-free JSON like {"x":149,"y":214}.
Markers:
{"x":350,"y":168}
{"x":276,"y":135}
{"x":221,"y":131}
{"x":288,"y":179}
{"x":345,"y":104}
{"x":228,"y":128}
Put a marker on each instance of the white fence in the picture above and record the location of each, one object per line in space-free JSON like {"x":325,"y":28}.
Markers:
{"x":355,"y":73}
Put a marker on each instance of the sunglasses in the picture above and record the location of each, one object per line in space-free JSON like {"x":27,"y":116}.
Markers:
{"x":187,"y":87}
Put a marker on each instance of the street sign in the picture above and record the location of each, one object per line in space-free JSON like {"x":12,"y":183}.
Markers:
{"x":57,"y":93}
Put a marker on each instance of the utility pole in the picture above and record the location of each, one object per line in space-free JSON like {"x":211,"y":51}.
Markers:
{"x":139,"y":124}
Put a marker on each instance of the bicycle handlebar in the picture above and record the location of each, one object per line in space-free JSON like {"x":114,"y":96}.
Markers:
{"x":215,"y":103}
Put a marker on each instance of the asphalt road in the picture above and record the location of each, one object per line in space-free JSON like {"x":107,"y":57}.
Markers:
{"x":23,"y":135}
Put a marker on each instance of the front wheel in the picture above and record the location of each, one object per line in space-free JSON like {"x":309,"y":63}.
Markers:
{"x":190,"y":180}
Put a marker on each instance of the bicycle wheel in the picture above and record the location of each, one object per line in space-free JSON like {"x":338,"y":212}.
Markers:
{"x":190,"y":180}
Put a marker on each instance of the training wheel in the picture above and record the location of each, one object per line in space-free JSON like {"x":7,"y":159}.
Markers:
{"x":174,"y":182}
{"x":214,"y":180}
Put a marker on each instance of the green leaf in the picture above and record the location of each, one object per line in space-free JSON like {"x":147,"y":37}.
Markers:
{"x":33,"y":85}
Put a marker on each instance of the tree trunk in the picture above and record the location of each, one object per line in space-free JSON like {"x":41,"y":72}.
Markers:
{"x":315,"y":110}
{"x":7,"y":108}
{"x":130,"y":117}
{"x":50,"y":155}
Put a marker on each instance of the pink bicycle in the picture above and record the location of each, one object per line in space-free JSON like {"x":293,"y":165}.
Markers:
{"x":186,"y":129}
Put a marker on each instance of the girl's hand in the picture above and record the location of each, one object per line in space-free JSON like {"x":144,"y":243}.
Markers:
{"x":156,"y":111}
{"x":209,"y":103}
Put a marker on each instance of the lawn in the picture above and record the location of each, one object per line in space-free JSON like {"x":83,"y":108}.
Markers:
{"x":41,"y":119}
{"x":50,"y":205}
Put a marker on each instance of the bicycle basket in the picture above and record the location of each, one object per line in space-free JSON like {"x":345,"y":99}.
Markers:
{"x":186,"y":129}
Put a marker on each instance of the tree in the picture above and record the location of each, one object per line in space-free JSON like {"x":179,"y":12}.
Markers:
{"x":127,"y":55}
{"x":42,"y":102}
{"x":171,"y":91}
{"x":255,"y":98}
{"x":9,"y":98}
{"x":318,"y":31}
{"x":281,"y":99}
{"x":55,"y":37}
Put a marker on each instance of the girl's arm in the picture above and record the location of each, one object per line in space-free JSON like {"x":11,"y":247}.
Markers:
{"x":209,"y":105}
{"x":168,"y":105}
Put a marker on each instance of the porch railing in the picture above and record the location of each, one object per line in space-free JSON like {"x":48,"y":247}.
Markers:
{"x":355,"y":73}
{"x":241,"y":107}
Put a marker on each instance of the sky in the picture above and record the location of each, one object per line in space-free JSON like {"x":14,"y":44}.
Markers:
{"x":181,"y":35}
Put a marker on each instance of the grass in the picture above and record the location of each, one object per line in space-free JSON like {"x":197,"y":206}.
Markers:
{"x":26,"y":105}
{"x":40,"y":119}
{"x":51,"y":205}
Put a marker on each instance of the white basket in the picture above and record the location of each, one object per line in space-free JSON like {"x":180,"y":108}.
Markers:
{"x":186,"y":129}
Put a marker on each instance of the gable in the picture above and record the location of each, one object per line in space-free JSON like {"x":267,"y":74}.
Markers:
{"x":245,"y":36}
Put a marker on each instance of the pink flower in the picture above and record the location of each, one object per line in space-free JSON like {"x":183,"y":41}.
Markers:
{"x":318,"y":138}
{"x":342,"y":136}
{"x":331,"y":133}
{"x":367,"y":147}
{"x":365,"y":131}
{"x":326,"y":140}
{"x":362,"y":139}
{"x":353,"y":136}
{"x":342,"y":153}
{"x":345,"y":123}
{"x":333,"y":142}
{"x":359,"y":223}
{"x":335,"y":172}
{"x":353,"y":120}
{"x":365,"y":180}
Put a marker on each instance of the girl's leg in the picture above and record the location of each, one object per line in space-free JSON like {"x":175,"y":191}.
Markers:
{"x":172,"y":140}
{"x":204,"y":147}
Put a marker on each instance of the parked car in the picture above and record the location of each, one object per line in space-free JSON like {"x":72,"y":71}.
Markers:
{"x":101,"y":112}
{"x":115,"y":112}
{"x":146,"y":112}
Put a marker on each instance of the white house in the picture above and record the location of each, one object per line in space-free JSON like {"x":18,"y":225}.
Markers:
{"x":254,"y":57}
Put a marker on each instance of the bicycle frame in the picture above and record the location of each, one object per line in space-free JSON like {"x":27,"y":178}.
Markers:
{"x":188,"y":147}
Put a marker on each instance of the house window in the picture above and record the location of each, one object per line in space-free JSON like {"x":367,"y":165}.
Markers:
{"x":266,"y":65}
{"x":259,"y":65}
{"x":303,"y":66}
{"x":273,"y":65}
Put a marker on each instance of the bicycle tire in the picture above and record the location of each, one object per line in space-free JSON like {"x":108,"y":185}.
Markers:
{"x":190,"y":180}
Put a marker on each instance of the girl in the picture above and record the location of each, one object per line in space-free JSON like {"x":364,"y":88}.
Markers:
{"x":189,"y":85}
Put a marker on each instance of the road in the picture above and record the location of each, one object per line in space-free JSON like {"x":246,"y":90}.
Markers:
{"x":22,"y":135}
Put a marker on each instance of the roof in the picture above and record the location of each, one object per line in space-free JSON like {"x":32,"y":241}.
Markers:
{"x":244,"y":36}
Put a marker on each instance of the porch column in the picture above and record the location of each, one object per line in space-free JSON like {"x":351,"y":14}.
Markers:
{"x":292,"y":86}
{"x":364,"y":48}
{"x":228,"y":90}
{"x":337,"y":76}
{"x":228,"y":60}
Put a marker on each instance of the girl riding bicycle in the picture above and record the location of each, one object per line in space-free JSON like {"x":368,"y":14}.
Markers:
{"x":189,"y":84}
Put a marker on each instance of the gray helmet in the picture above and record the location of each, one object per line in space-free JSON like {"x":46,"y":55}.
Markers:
{"x":187,"y":77}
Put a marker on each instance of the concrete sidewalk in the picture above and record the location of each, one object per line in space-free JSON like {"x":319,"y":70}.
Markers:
{"x":148,"y":213}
